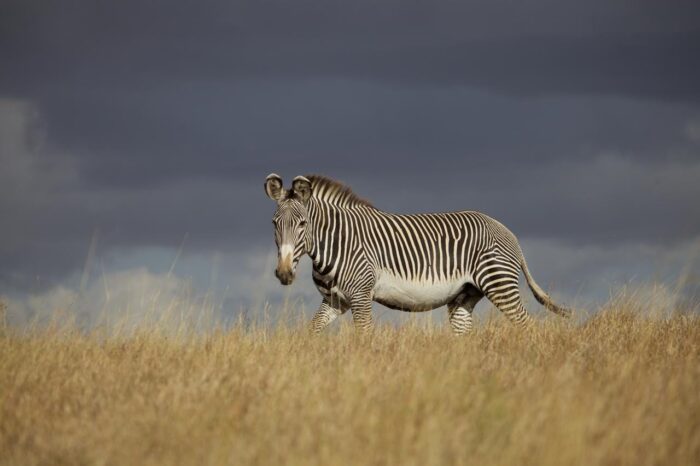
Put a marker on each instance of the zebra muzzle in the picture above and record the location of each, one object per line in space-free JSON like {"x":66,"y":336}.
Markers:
{"x":285,"y":270}
{"x":286,"y":277}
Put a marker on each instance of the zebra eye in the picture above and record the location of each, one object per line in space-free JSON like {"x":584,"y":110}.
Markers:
{"x":302,"y":223}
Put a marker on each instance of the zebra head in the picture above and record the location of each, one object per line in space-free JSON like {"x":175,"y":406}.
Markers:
{"x":290,"y":221}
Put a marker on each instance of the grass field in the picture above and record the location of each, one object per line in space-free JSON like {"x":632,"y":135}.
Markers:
{"x":622,"y":387}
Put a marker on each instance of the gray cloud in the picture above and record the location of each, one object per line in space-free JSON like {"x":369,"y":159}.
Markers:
{"x":576,"y":124}
{"x":639,"y":49}
{"x":226,"y":131}
{"x":203,"y":290}
{"x":607,"y":198}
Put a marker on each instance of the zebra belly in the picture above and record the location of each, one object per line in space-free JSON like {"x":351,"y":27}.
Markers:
{"x":409,"y":295}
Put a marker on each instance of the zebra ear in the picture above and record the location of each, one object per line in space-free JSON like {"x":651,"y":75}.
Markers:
{"x":302,"y":188}
{"x":273,"y":187}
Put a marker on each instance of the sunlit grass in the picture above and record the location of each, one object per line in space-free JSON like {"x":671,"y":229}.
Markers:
{"x":621,"y":387}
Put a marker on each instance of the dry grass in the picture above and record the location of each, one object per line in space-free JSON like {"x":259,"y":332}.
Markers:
{"x":621,"y":388}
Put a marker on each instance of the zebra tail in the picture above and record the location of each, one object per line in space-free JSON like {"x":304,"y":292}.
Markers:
{"x":541,"y":296}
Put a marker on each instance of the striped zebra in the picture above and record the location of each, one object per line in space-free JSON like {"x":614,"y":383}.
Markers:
{"x":412,"y":263}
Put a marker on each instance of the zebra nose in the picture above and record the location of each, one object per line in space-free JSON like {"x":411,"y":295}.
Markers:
{"x":285,"y":277}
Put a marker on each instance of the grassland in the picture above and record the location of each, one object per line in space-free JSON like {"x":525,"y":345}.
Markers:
{"x":620,"y":388}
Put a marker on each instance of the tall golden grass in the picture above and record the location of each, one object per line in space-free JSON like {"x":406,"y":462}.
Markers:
{"x":622,"y":387}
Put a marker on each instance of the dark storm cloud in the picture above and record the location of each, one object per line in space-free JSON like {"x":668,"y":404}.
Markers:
{"x":148,"y":91}
{"x":638,"y":48}
{"x":247,"y":128}
{"x":149,"y":120}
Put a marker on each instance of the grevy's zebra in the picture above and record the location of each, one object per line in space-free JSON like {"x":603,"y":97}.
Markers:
{"x":406,"y":262}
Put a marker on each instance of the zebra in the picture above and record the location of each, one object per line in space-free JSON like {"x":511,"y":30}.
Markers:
{"x":410,"y":263}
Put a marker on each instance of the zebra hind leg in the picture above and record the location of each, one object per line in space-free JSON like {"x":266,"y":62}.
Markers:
{"x":460,"y":310}
{"x":460,"y":319}
{"x":505,"y":295}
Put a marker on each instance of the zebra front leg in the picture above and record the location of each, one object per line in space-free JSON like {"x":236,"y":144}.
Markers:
{"x":361,"y":308}
{"x":325,"y":315}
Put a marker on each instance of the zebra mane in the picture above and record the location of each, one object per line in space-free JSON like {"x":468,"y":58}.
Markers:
{"x":334,"y":192}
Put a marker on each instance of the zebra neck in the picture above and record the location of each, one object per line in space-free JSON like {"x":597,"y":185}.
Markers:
{"x":331,"y":233}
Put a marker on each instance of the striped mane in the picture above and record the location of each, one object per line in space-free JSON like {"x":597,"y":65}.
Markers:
{"x":334,"y":192}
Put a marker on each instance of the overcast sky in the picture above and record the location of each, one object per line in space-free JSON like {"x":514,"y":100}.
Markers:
{"x":146,"y":128}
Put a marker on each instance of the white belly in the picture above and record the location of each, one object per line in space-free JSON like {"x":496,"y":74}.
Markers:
{"x":396,"y":292}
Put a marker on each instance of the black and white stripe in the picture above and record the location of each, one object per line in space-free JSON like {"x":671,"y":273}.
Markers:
{"x":407,"y":262}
